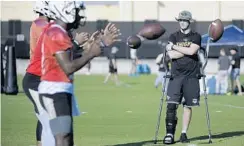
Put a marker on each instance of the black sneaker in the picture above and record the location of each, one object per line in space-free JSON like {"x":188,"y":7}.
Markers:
{"x":168,"y":139}
{"x":183,"y":138}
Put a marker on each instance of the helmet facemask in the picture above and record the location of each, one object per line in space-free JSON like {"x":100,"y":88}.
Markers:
{"x":80,"y":18}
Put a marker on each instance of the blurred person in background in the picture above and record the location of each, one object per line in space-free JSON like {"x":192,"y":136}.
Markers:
{"x":134,"y":61}
{"x":163,"y":66}
{"x":235,"y":71}
{"x":113,"y":70}
{"x":224,"y":65}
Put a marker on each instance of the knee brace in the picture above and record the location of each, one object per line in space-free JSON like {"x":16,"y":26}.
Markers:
{"x":171,"y":118}
{"x":61,"y":125}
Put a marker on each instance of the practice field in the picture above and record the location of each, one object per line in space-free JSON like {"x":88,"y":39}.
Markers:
{"x":125,"y":115}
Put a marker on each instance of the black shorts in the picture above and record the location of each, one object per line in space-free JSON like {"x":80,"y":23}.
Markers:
{"x":112,"y":70}
{"x":31,"y":82}
{"x":58,"y":104}
{"x":59,"y":109}
{"x":184,"y":87}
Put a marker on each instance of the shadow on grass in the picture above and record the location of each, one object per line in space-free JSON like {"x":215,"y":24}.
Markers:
{"x":205,"y":137}
{"x":218,"y":136}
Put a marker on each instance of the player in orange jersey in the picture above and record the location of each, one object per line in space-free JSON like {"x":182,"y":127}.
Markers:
{"x":58,"y":66}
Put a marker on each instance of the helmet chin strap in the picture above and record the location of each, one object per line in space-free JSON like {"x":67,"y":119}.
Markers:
{"x":70,"y":26}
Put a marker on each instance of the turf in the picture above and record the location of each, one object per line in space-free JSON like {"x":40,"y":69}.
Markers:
{"x":125,"y":116}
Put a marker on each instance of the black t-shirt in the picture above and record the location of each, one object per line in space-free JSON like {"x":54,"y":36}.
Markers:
{"x":237,"y":60}
{"x":189,"y":64}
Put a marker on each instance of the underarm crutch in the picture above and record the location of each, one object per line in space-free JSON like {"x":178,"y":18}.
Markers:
{"x":162,"y":97}
{"x":204,"y":60}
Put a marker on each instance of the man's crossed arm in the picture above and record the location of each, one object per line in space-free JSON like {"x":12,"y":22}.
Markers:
{"x":176,"y":52}
{"x":187,"y":50}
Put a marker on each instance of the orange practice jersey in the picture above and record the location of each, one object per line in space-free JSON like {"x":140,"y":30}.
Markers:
{"x":55,"y":39}
{"x":36,"y":30}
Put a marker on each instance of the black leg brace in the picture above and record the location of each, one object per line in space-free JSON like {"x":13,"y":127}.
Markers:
{"x":171,"y":118}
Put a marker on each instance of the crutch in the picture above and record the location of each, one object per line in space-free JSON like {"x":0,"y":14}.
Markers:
{"x":204,"y":60}
{"x":161,"y":98}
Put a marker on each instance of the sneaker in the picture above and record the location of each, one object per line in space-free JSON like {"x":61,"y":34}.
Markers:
{"x":240,"y":94}
{"x":229,"y":93}
{"x":168,"y":139}
{"x":183,"y":138}
{"x":88,"y":73}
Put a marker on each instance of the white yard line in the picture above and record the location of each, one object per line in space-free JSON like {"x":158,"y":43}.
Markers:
{"x":229,"y":105}
{"x":226,"y":105}
{"x":191,"y":145}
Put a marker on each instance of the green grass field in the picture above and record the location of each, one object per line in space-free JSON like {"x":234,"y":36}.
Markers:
{"x":125,"y":116}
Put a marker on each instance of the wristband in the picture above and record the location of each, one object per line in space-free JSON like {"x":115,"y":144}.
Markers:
{"x":76,"y":45}
{"x":76,"y":42}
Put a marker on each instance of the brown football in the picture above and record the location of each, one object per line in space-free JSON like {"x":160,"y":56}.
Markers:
{"x":152,"y":31}
{"x":134,"y":42}
{"x":216,"y":30}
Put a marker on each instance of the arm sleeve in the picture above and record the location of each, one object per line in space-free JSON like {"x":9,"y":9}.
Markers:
{"x":197,"y":40}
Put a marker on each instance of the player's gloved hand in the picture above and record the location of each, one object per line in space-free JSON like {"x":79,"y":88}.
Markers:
{"x":81,"y":38}
{"x":169,"y":47}
{"x":92,"y":46}
{"x":110,"y":35}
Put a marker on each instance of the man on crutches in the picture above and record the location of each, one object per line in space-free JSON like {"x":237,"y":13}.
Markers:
{"x":184,"y":82}
{"x":188,"y":64}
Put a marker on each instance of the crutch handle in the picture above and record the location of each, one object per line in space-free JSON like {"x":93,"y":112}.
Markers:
{"x":168,"y":76}
{"x":200,"y":75}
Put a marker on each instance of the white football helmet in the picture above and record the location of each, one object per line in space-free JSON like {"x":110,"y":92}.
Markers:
{"x":41,"y":7}
{"x":65,"y":10}
{"x":81,"y":12}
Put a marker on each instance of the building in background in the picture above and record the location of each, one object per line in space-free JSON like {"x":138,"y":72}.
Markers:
{"x":129,"y":16}
{"x":137,"y":10}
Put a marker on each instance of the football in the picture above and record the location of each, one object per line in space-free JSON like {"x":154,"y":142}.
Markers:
{"x":134,"y":42}
{"x":152,"y":31}
{"x":216,"y":30}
